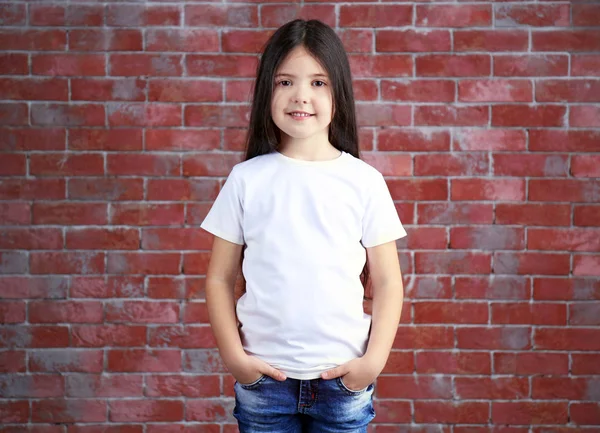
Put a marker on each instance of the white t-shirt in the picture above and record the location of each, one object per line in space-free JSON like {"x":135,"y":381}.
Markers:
{"x":305,"y":225}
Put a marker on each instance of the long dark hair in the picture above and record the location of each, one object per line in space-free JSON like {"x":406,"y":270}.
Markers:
{"x":326,"y":47}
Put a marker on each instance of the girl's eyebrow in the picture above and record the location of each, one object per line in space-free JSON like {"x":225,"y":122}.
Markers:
{"x":294,"y":76}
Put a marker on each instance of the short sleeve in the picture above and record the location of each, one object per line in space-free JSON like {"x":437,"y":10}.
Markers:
{"x":381,"y":223}
{"x":225,"y":216}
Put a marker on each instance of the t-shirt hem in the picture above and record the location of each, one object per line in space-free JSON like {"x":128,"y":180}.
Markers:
{"x":385,"y":239}
{"x":223,"y":235}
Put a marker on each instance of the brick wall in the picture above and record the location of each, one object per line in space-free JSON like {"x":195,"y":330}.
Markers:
{"x":119,"y":121}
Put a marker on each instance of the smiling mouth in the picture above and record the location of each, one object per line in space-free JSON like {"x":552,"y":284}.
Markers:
{"x":300,"y":114}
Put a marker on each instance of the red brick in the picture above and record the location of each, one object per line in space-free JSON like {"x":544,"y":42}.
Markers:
{"x":580,"y":339}
{"x":565,"y":40}
{"x":14,"y":64}
{"x":140,"y":214}
{"x":146,"y":410}
{"x":103,"y":239}
{"x":105,"y":139}
{"x":36,"y":386}
{"x":13,"y":14}
{"x":195,"y":312}
{"x":84,"y":386}
{"x":68,"y":15}
{"x":182,"y":140}
{"x":585,"y":413}
{"x":364,"y":90}
{"x":451,"y":412}
{"x":529,"y":412}
{"x":452,"y":262}
{"x":424,"y":337}
{"x":389,"y":164}
{"x":419,"y":139}
{"x":127,"y":89}
{"x":68,"y":411}
{"x":183,"y":189}
{"x":585,"y":15}
{"x":145,"y":64}
{"x":31,"y":189}
{"x":167,"y":385}
{"x":14,"y":114}
{"x":67,"y":360}
{"x":403,"y":41}
{"x":453,"y":15}
{"x":494,"y":338}
{"x":454,"y":213}
{"x":497,"y":287}
{"x":175,"y":239}
{"x":487,"y":238}
{"x":584,"y":314}
{"x":453,"y":363}
{"x":105,"y":40}
{"x":141,"y":114}
{"x":12,"y":312}
{"x":185,"y":91}
{"x":564,"y":141}
{"x":356,"y":40}
{"x":215,"y":15}
{"x":220,"y":65}
{"x":41,"y":89}
{"x":535,"y":15}
{"x":142,"y":15}
{"x":68,"y":262}
{"x":142,"y":312}
{"x":418,"y":90}
{"x":447,"y":115}
{"x":186,"y":337}
{"x":15,"y":213}
{"x":526,"y":313}
{"x":450,"y":65}
{"x":143,"y":360}
{"x":414,"y":387}
{"x":15,"y":139}
{"x":66,"y":164}
{"x":586,"y":265}
{"x":243,"y":41}
{"x":70,"y":311}
{"x":18,"y":287}
{"x":33,"y":40}
{"x":568,"y":190}
{"x":538,"y":65}
{"x":427,"y":238}
{"x":13,"y":262}
{"x":483,"y":189}
{"x":70,"y":65}
{"x":143,"y":262}
{"x":378,"y":114}
{"x":574,"y":90}
{"x":186,"y":40}
{"x":585,"y":64}
{"x":209,"y":410}
{"x":563,"y":239}
{"x":584,"y":116}
{"x":418,"y":189}
{"x":533,"y":214}
{"x":400,"y":362}
{"x":490,"y":40}
{"x":142,"y":164}
{"x":585,"y":363}
{"x":457,"y":164}
{"x":13,"y":164}
{"x":531,"y":263}
{"x":509,"y":164}
{"x":531,"y":363}
{"x":67,"y":114}
{"x":380,"y":15}
{"x":196,"y":263}
{"x":566,"y":289}
{"x":587,"y":216}
{"x":108,"y":335}
{"x":501,"y":388}
{"x":450,"y":312}
{"x":393,"y":411}
{"x":65,"y":213}
{"x":278,"y":15}
{"x":384,"y":65}
{"x":489,"y":139}
{"x":495,"y":91}
{"x":554,"y":388}
{"x":528,"y":115}
{"x":183,"y":428}
{"x":14,"y":411}
{"x":216,"y":115}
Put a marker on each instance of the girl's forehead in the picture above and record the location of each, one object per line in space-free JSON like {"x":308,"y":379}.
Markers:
{"x":300,"y":62}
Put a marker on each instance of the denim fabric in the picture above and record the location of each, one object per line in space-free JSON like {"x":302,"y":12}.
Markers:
{"x":302,"y":406}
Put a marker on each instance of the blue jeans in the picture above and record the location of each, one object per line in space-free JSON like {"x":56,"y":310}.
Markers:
{"x":302,"y":406}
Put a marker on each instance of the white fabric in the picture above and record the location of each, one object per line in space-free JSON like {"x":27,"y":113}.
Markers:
{"x":305,"y":225}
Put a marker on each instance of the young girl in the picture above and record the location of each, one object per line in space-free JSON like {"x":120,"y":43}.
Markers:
{"x":309,"y":220}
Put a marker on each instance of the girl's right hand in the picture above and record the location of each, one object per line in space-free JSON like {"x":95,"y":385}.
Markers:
{"x":249,"y":369}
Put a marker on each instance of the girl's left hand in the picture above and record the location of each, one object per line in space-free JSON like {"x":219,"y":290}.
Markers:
{"x":357,"y":374}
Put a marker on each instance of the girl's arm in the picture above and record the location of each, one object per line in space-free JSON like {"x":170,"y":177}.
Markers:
{"x":388,"y":295}
{"x":220,"y":282}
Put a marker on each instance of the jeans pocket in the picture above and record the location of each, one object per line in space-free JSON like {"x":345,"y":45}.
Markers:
{"x":349,"y":391}
{"x":254,"y":384}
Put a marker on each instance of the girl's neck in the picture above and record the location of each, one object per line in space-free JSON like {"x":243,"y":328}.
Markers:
{"x":309,"y":150}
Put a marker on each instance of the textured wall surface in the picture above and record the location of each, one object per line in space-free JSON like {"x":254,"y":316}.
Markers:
{"x":120,"y":120}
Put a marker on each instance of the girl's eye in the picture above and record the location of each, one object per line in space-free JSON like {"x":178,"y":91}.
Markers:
{"x":285,"y":82}
{"x":319,"y":83}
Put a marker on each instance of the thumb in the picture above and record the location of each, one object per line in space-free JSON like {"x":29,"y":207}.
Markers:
{"x":336,"y":372}
{"x":271,"y":371}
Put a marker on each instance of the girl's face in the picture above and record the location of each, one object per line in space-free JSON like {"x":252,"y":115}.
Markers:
{"x":302,"y":105}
